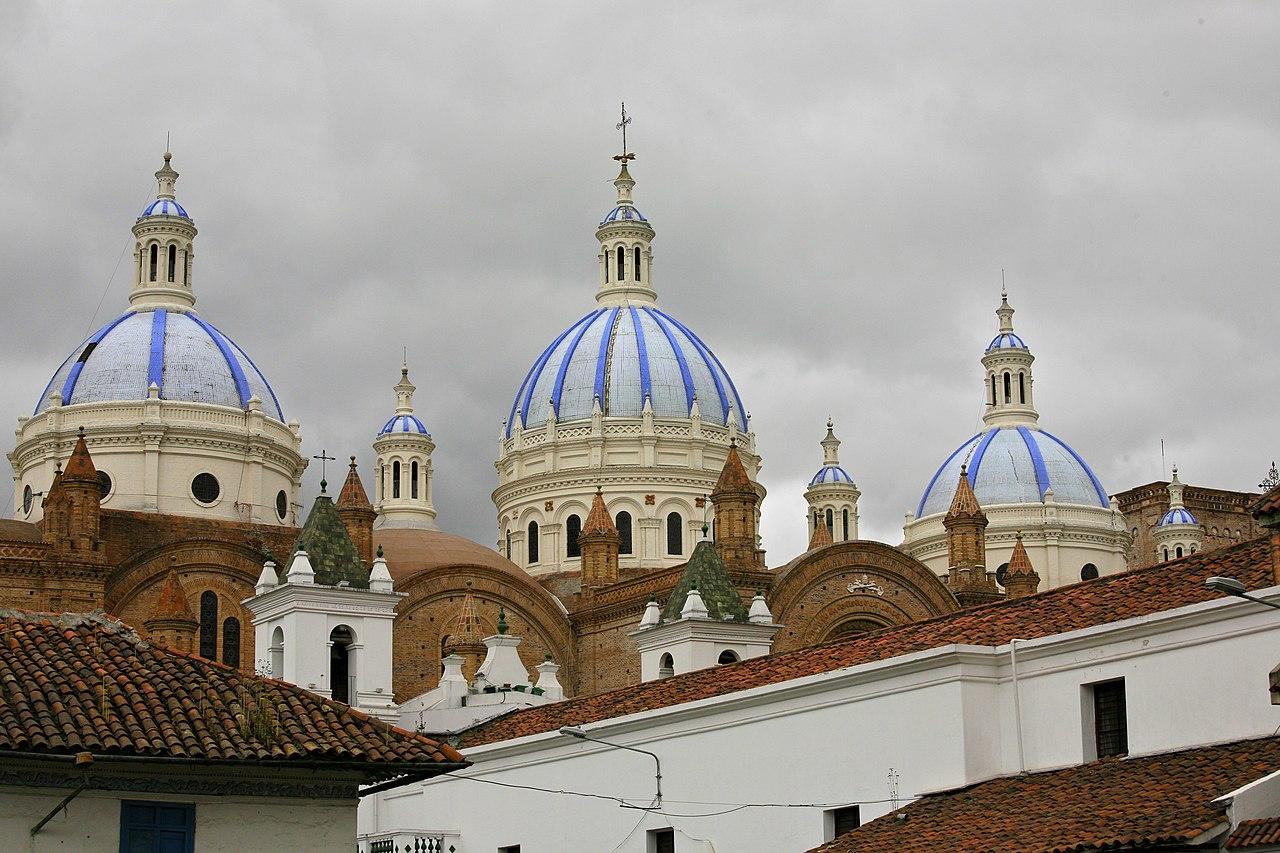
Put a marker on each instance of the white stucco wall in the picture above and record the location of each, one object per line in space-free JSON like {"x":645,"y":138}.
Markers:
{"x":940,"y":719}
{"x":91,"y":823}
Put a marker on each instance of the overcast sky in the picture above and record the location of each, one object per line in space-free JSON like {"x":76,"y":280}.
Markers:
{"x":835,"y":189}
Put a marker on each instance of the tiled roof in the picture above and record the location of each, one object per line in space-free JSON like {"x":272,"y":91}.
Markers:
{"x":1255,"y":833}
{"x":353,"y":493}
{"x":964,"y":502}
{"x":166,"y":704}
{"x":733,"y":477}
{"x":1155,"y":801}
{"x":1019,"y":562}
{"x":821,"y":535}
{"x":598,"y":520}
{"x":1268,"y":504}
{"x":1107,"y":599}
{"x":706,"y":570}
{"x":328,"y":544}
{"x":80,"y":465}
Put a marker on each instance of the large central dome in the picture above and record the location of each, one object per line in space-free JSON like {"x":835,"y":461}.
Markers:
{"x":620,"y":356}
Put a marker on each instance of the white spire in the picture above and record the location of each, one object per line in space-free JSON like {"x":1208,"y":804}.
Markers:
{"x":1175,"y":491}
{"x":404,"y":391}
{"x":694,"y":606}
{"x":404,"y":477}
{"x":626,"y":256}
{"x":830,"y":446}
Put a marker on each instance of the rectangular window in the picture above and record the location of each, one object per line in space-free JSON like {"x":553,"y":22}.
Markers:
{"x":157,"y":827}
{"x":837,"y":822}
{"x":662,"y":841}
{"x":510,"y":848}
{"x":1110,"y":725}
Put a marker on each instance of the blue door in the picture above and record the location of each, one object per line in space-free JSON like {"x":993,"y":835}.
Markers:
{"x":157,"y":827}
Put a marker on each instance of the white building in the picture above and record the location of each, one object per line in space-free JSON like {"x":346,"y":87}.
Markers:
{"x":1026,"y":479}
{"x":627,"y":398}
{"x":769,"y":753}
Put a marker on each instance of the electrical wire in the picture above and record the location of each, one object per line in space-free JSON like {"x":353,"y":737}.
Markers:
{"x":627,"y":837}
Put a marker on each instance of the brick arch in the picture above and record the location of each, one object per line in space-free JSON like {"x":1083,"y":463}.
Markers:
{"x":433,"y":601}
{"x":812,"y":599}
{"x":228,"y":568}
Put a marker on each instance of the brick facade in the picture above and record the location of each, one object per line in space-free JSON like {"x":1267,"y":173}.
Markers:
{"x":1224,"y":514}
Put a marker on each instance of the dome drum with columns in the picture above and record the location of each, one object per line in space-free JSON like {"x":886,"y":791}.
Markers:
{"x":627,"y":398}
{"x":404,"y":478}
{"x":832,"y":496}
{"x":1026,"y":479}
{"x":1178,"y":533}
{"x":179,"y":418}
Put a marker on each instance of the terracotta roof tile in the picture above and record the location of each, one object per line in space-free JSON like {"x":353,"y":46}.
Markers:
{"x":1268,"y":504}
{"x":165,"y":704}
{"x":598,"y":520}
{"x":1115,"y":804}
{"x":1067,"y":608}
{"x":172,"y":605}
{"x":1019,"y":562}
{"x":733,"y":476}
{"x":821,"y":535}
{"x":353,"y":493}
{"x":1255,"y":833}
{"x":80,"y":465}
{"x":965,"y":502}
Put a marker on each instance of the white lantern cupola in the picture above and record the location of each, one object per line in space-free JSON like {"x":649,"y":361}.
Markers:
{"x":626,"y":254}
{"x":404,"y":480}
{"x":832,"y":495}
{"x":1178,"y":533}
{"x":163,"y":253}
{"x":1007,"y":368}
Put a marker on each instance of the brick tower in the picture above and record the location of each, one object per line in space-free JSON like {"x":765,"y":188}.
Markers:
{"x":735,"y":500}
{"x":357,"y":513}
{"x":599,"y":541}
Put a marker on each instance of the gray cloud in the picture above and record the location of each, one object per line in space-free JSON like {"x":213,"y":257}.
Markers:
{"x":835,"y":189}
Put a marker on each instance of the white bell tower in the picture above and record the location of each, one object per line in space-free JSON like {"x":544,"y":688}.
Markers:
{"x":163,"y":255}
{"x":832,"y":495}
{"x":1007,"y":365}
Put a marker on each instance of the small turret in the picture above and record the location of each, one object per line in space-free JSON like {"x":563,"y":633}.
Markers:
{"x":404,"y":489}
{"x":172,"y":623}
{"x":832,"y":495}
{"x":1007,"y":365}
{"x":966,"y":526}
{"x":736,"y":502}
{"x":599,"y":542}
{"x":1020,"y":578}
{"x":357,"y":513}
{"x":1178,"y":533}
{"x":164,"y":252}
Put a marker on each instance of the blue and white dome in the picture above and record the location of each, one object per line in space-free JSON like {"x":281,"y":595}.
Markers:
{"x":623,"y":213}
{"x":831,"y":474}
{"x":1177,"y":515}
{"x":1006,"y":340}
{"x":403,"y":423}
{"x":164,"y":207}
{"x":186,"y":357}
{"x":1015,"y":465}
{"x":622,"y":355}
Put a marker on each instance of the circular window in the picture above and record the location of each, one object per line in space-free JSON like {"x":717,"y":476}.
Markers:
{"x":1002,"y":573}
{"x":205,"y":488}
{"x":104,"y":484}
{"x":27,"y":500}
{"x":282,"y":504}
{"x":1088,"y":572}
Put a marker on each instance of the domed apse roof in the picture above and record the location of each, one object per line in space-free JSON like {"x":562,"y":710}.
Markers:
{"x":185,"y":356}
{"x":622,"y":213}
{"x":1011,"y":465}
{"x":622,"y":355}
{"x":1177,"y":515}
{"x":831,"y":474}
{"x":403,"y":423}
{"x":164,"y":207}
{"x":1006,"y":340}
{"x":410,"y":550}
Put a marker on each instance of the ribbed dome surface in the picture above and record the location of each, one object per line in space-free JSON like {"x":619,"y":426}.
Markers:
{"x":1011,"y":465}
{"x":623,"y":213}
{"x":621,"y":355}
{"x":1006,"y":340}
{"x":181,"y":353}
{"x":831,"y":474}
{"x":403,"y":423}
{"x":1177,"y":515}
{"x":164,"y":207}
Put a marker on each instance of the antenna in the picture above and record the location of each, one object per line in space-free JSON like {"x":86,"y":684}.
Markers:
{"x":1003,"y":290}
{"x":1163,"y":467}
{"x":166,"y":140}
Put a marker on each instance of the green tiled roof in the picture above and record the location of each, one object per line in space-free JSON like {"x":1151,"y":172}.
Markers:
{"x":333,"y":555}
{"x":706,"y":569}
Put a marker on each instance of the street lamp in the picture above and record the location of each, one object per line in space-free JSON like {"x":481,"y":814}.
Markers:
{"x":1231,"y":586}
{"x":580,"y":734}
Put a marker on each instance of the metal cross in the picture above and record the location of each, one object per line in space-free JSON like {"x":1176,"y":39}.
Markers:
{"x":622,"y":126}
{"x":323,"y":459}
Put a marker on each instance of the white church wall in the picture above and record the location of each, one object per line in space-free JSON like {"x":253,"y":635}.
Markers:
{"x":940,"y":719}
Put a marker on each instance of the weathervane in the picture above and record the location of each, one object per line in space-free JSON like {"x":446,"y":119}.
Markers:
{"x":622,"y":126}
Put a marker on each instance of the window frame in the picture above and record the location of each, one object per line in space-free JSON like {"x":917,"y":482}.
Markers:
{"x":675,"y":534}
{"x":572,"y":530}
{"x":188,"y":828}
{"x":834,"y":821}
{"x":1095,"y":728}
{"x":660,"y":840}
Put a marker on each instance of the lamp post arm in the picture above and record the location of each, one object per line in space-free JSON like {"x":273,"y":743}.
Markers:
{"x":657,"y":763}
{"x":1249,"y":597}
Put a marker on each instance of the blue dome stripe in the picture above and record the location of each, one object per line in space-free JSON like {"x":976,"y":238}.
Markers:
{"x":274,"y":399}
{"x":685,"y":375}
{"x":1097,"y":484}
{"x":646,"y":387}
{"x":707,"y":357}
{"x":536,"y":372}
{"x":1177,"y":516}
{"x":742,"y":410}
{"x":1037,"y":459}
{"x":603,"y":356}
{"x":564,"y":364}
{"x":233,"y":363}
{"x":69,"y":386}
{"x":936,"y":474}
{"x":976,"y":462}
{"x":155,"y":367}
